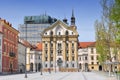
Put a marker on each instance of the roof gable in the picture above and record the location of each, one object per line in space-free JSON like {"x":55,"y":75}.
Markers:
{"x":59,"y":25}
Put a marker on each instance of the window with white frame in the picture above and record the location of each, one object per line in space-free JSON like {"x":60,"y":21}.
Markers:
{"x":72,"y":65}
{"x":45,"y":65}
{"x":85,"y":57}
{"x":66,"y":65}
{"x":92,"y":51}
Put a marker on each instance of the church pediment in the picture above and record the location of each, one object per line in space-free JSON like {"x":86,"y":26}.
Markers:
{"x":60,"y":28}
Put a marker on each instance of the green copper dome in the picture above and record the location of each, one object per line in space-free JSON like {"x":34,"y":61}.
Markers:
{"x":42,"y":19}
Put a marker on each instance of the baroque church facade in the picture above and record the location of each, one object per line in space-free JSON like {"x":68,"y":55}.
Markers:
{"x":60,"y":46}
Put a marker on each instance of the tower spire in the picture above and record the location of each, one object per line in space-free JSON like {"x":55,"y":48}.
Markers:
{"x":72,"y":18}
{"x":72,"y":13}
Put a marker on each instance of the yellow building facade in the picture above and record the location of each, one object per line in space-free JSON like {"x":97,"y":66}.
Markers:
{"x":60,"y":47}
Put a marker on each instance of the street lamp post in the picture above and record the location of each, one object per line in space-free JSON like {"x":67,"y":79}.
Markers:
{"x":25,"y":52}
{"x":41,"y":64}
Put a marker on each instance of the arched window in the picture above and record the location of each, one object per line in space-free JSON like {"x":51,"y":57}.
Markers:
{"x":51,"y":33}
{"x":31,"y":66}
{"x":67,"y":33}
{"x":59,"y":33}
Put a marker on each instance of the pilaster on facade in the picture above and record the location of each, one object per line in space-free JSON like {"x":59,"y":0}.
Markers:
{"x":70,"y":51}
{"x":54,"y":51}
{"x":49,"y":54}
{"x":64,"y":51}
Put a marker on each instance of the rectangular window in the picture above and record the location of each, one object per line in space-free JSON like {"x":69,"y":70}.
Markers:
{"x":92,"y":63}
{"x":66,"y":65}
{"x":92,"y":51}
{"x":97,"y":62}
{"x":4,"y":48}
{"x":72,"y":58}
{"x":45,"y":65}
{"x":72,"y":45}
{"x":67,"y":51}
{"x":72,"y":65}
{"x":67,"y":58}
{"x":51,"y":59}
{"x":59,"y":46}
{"x":39,"y":57}
{"x":97,"y":57}
{"x":80,"y":58}
{"x":85,"y":57}
{"x":92,"y":58}
{"x":46,"y":53}
{"x":59,"y":52}
{"x":66,"y":45}
{"x":72,"y":51}
{"x":46,"y":45}
{"x":45,"y":58}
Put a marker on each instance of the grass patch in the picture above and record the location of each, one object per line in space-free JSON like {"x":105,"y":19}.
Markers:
{"x":118,"y":72}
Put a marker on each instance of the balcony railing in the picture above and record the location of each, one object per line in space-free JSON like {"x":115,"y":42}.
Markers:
{"x":11,"y":54}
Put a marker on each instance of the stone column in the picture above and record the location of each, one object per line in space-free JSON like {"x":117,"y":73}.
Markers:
{"x":48,"y":54}
{"x":76,"y":54}
{"x":54,"y":54}
{"x":64,"y":54}
{"x":70,"y":55}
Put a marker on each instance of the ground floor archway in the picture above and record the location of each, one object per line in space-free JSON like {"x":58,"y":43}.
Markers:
{"x":31,"y":66}
{"x":100,"y":68}
{"x":39,"y":66}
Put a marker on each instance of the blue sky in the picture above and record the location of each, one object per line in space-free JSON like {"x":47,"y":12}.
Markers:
{"x":85,"y":11}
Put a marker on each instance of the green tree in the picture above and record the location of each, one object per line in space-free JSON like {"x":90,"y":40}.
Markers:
{"x":115,"y":17}
{"x":105,"y":33}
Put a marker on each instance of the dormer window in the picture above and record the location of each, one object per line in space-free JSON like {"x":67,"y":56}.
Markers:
{"x":45,"y":33}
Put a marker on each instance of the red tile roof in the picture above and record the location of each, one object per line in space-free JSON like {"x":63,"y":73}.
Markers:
{"x":39,"y":46}
{"x":85,"y":44}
